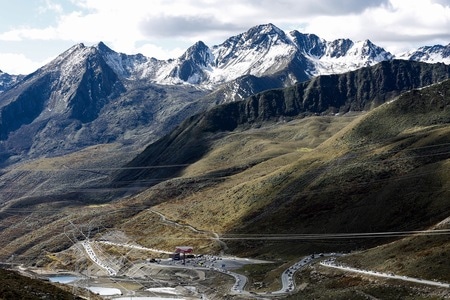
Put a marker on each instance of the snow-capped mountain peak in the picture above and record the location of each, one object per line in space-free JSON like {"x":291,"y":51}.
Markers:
{"x":343,"y":55}
{"x":432,"y":54}
{"x":338,"y":48}
{"x":308,"y":44}
{"x":264,"y":35}
{"x":199,"y":54}
{"x":368,"y":50}
{"x":7,"y":80}
{"x":263,"y":50}
{"x":193,"y":66}
{"x":259,"y":38}
{"x":127,"y":66}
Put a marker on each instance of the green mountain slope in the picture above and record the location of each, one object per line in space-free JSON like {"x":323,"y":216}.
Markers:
{"x":354,"y":91}
{"x":258,"y":176}
{"x":385,"y":170}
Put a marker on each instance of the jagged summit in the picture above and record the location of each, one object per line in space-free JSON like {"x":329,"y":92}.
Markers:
{"x":103,"y":48}
{"x":338,"y":48}
{"x":268,"y":28}
{"x":258,"y":38}
{"x":309,"y":44}
{"x":193,"y":65}
{"x":7,"y":80}
{"x":264,"y":35}
{"x":265,"y":50}
{"x":199,"y":54}
{"x":262,"y":50}
{"x":436,"y":53}
{"x":372,"y":51}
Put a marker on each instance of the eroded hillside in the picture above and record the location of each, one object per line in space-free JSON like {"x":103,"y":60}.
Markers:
{"x":257,"y":190}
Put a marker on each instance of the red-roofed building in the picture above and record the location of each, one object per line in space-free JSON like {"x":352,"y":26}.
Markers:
{"x":183,"y":250}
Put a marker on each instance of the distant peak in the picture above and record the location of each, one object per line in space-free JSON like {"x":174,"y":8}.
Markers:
{"x":368,"y":43}
{"x":199,"y":53}
{"x":196,"y":48}
{"x":268,"y":28}
{"x":77,"y":46}
{"x":199,"y":45}
{"x":74,"y":49}
{"x":103,"y":48}
{"x":264,"y":35}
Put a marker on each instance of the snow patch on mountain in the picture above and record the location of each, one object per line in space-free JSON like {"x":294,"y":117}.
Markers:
{"x":429,"y":54}
{"x":344,"y":55}
{"x":263,"y":50}
{"x":7,"y":80}
{"x":266,"y":50}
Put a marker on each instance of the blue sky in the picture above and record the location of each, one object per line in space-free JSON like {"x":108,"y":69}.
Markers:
{"x":34,"y":32}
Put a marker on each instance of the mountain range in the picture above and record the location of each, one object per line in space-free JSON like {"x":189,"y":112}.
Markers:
{"x":92,"y":95}
{"x":254,"y":142}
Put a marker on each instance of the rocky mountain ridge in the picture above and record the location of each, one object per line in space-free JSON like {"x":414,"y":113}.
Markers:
{"x":323,"y":156}
{"x":429,"y":54}
{"x":7,"y":80}
{"x":78,"y":100}
{"x":93,"y":95}
{"x":262,"y":50}
{"x":337,"y":94}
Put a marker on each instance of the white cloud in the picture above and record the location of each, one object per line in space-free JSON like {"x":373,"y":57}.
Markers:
{"x":112,"y":19}
{"x":13,"y":63}
{"x":158,"y":52}
{"x":399,"y":26}
{"x":27,"y":33}
{"x":49,"y":5}
{"x":160,"y":27}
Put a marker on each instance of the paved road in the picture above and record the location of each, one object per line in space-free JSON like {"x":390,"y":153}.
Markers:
{"x":287,"y":277}
{"x":227,"y":264}
{"x":87,"y":246}
{"x":137,"y":247}
{"x":332,"y":264}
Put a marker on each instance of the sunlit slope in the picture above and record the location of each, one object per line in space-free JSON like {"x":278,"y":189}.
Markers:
{"x":360,"y":90}
{"x":386,"y":171}
{"x":235,"y":179}
{"x":420,"y":255}
{"x":249,"y":168}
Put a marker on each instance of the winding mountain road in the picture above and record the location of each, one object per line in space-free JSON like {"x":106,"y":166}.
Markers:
{"x":287,"y":277}
{"x":216,"y":237}
{"x":93,"y":256}
{"x":331,"y":264}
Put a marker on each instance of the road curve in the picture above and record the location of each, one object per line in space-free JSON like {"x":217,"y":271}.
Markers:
{"x":216,"y":237}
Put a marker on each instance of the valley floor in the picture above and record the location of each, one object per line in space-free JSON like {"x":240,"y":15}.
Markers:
{"x":197,"y":277}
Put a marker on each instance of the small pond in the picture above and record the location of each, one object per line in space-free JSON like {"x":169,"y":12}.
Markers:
{"x":63,"y":278}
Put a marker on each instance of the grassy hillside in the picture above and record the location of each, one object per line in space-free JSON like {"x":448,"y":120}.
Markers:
{"x":385,"y":171}
{"x":260,"y":186}
{"x":419,"y":255}
{"x":379,"y":171}
{"x":359,"y":90}
{"x":16,"y":286}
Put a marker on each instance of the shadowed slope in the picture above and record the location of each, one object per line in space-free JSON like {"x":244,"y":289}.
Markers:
{"x":353,"y":182}
{"x":353,"y":91}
